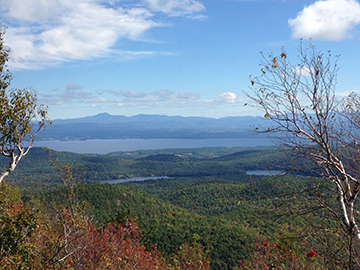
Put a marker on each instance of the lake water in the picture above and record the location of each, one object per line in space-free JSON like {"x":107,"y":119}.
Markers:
{"x":134,"y":179}
{"x":140,"y":179}
{"x":115,"y":145}
{"x":265,"y":172}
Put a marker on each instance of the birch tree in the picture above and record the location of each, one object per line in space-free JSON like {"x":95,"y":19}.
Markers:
{"x":300,"y":102}
{"x":21,"y":117}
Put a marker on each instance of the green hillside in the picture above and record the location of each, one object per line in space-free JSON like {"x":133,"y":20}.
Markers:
{"x":36,"y":169}
{"x":208,"y":197}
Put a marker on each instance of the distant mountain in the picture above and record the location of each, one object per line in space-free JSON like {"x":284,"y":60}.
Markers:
{"x":106,"y":126}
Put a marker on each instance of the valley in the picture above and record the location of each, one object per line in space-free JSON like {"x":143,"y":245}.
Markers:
{"x":207,"y":199}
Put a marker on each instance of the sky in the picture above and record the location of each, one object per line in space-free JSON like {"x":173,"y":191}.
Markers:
{"x":168,"y":57}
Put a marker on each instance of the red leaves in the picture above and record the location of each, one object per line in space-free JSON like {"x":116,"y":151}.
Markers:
{"x":269,"y":255}
{"x":62,"y":237}
{"x":311,"y":254}
{"x":119,"y":248}
{"x":113,"y":247}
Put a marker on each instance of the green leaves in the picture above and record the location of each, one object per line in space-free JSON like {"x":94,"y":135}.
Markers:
{"x":16,"y":115}
{"x":18,"y":111}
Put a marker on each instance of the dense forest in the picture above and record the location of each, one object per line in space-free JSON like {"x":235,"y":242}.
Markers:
{"x":208,"y":211}
{"x":169,"y":162}
{"x":200,"y":208}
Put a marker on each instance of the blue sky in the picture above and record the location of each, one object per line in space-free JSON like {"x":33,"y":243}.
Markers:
{"x":170,"y":57}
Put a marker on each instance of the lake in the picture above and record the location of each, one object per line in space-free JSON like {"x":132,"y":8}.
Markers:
{"x":140,"y":179}
{"x":134,"y":179}
{"x":103,"y":146}
{"x":266,"y":172}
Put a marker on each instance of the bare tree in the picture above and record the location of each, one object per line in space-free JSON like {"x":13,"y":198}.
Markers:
{"x":300,"y":101}
{"x":18,"y":114}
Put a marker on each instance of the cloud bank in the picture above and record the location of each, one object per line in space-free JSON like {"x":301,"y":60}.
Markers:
{"x":73,"y":93}
{"x":228,"y":97}
{"x":46,"y":32}
{"x":327,"y":19}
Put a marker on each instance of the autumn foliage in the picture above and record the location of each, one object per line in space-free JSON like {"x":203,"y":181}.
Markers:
{"x":45,"y":236}
{"x":274,"y":256}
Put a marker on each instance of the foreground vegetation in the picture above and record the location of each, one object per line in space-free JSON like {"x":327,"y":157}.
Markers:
{"x":218,"y":218}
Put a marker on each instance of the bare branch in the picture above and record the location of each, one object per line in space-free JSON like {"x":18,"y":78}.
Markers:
{"x":301,"y":104}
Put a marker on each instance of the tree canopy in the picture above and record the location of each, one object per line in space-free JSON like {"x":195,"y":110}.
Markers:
{"x":301,"y":102}
{"x":21,"y":117}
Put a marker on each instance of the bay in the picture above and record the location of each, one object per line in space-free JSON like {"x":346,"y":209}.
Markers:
{"x":104,"y":146}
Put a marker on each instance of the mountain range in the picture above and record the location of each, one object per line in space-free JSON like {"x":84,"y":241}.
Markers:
{"x":106,"y":126}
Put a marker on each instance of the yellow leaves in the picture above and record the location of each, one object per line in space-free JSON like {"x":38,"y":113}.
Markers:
{"x":275,"y":64}
{"x":266,"y":115}
{"x":283,"y":55}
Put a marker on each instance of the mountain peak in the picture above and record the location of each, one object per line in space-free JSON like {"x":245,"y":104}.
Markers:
{"x":104,"y":114}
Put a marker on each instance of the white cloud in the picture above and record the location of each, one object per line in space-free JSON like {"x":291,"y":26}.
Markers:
{"x":176,"y":7}
{"x":158,"y":97}
{"x":31,"y":10}
{"x":228,"y":97}
{"x":128,"y":94}
{"x":326,"y":19}
{"x":302,"y":71}
{"x":73,"y":86}
{"x":73,"y":93}
{"x":180,"y":97}
{"x":158,"y":101}
{"x":47,"y":32}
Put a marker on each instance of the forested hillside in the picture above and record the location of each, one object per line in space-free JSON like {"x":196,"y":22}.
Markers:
{"x":209,"y":202}
{"x":225,"y":216}
{"x":247,"y":208}
{"x":36,"y":168}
